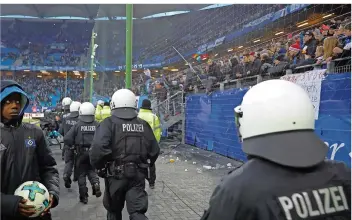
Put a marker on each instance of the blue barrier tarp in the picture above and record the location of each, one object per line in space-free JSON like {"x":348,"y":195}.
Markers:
{"x":210,"y":119}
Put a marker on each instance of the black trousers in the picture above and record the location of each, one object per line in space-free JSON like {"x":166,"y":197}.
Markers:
{"x":152,"y":174}
{"x":69,"y":159}
{"x":84,"y":171}
{"x":119,"y":190}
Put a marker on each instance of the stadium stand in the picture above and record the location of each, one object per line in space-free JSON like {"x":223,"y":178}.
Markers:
{"x":226,"y":50}
{"x":63,"y":46}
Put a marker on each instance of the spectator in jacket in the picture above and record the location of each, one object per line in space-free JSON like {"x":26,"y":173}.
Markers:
{"x":237,"y":68}
{"x":310,"y":45}
{"x":294,"y":52}
{"x":319,"y":53}
{"x":266,"y":63}
{"x":255,"y":63}
{"x":345,"y":49}
{"x":329,"y":44}
{"x":280,"y":66}
{"x":214,"y":75}
{"x":25,"y":156}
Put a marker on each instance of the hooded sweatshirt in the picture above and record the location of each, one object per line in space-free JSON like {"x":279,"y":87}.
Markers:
{"x":24,"y":156}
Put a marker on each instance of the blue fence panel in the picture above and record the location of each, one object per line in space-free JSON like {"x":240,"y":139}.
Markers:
{"x":210,"y":119}
{"x":334,"y":123}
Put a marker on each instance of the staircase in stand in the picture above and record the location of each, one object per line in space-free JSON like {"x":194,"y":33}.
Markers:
{"x":170,"y":111}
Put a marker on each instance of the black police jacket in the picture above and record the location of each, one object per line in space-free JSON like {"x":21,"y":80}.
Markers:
{"x":68,"y":121}
{"x":262,"y":190}
{"x":128,"y":139}
{"x":81,"y":135}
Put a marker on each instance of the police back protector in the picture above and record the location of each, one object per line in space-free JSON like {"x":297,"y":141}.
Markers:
{"x":84,"y":138}
{"x":130,"y":146}
{"x":69,"y":121}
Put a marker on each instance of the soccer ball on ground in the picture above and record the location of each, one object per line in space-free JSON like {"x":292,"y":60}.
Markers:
{"x":36,"y":194}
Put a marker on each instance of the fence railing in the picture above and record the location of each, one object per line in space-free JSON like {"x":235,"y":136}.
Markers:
{"x":172,"y":106}
{"x":331,"y":67}
{"x":171,"y":110}
{"x":255,"y":79}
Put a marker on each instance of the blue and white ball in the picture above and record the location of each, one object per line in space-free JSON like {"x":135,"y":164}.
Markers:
{"x":36,"y":194}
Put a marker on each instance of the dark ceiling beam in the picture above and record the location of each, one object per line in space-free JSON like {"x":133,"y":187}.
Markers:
{"x":109,"y":15}
{"x":37,"y":11}
{"x":88,"y":12}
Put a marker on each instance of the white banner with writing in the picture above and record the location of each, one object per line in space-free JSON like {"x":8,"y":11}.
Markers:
{"x":310,"y":81}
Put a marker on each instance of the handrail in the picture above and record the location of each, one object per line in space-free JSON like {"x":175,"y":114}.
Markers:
{"x":260,"y":77}
{"x":166,"y":100}
{"x":323,"y":63}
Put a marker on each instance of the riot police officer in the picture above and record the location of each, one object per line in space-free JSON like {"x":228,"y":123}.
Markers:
{"x":127,"y":143}
{"x":81,"y":136}
{"x":286,"y":176}
{"x":66,"y":102}
{"x":66,"y":125}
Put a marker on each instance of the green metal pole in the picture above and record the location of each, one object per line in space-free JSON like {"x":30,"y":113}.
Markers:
{"x":129,"y":29}
{"x":91,"y":70}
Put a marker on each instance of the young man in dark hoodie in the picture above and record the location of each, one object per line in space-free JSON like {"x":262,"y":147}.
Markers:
{"x":24,"y":156}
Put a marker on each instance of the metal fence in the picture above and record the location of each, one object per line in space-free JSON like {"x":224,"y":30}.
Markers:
{"x":171,"y":111}
{"x":168,"y":109}
{"x":331,"y":68}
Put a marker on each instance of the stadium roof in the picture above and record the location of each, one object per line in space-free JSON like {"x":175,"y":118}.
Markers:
{"x":92,"y":11}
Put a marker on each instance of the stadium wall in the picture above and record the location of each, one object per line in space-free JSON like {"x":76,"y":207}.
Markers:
{"x":210,"y":119}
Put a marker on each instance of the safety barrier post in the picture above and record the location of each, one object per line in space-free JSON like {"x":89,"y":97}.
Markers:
{"x":259,"y":79}
{"x":238,"y":84}
{"x":330,"y":67}
{"x":222,"y":87}
{"x":288,"y":72}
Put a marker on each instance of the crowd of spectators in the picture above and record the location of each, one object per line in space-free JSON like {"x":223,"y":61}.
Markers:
{"x":43,"y":92}
{"x":66,"y":43}
{"x":317,"y":45}
{"x":44,"y":43}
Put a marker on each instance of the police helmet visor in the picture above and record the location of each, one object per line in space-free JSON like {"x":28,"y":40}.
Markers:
{"x":86,"y":118}
{"x":125,"y":113}
{"x":297,"y":148}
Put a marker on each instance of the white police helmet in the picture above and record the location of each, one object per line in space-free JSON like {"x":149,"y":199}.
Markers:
{"x":74,"y":107}
{"x":100,"y":102}
{"x":66,"y":102}
{"x":86,"y":112}
{"x":123,"y":104}
{"x":275,"y":121}
{"x":123,"y":98}
{"x":86,"y":108}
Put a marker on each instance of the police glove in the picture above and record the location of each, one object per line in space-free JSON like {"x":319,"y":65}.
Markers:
{"x":101,"y":172}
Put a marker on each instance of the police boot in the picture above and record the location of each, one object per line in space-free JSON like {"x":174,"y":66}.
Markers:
{"x":152,"y":185}
{"x":96,"y":190}
{"x":67,"y":181}
{"x":83,"y":195}
{"x":83,"y":199}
